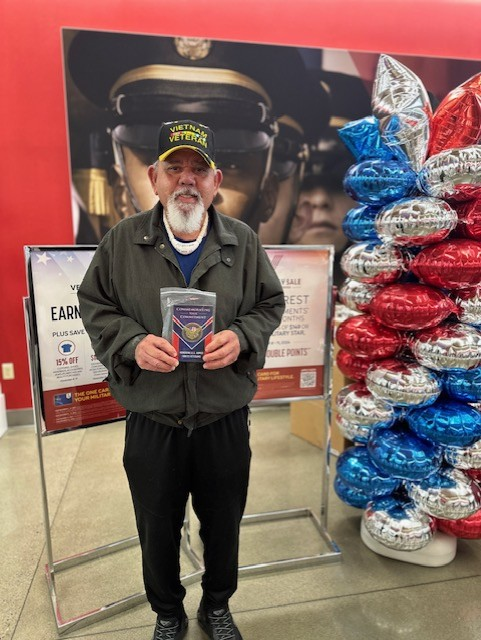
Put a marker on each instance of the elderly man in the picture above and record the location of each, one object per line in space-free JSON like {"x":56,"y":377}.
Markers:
{"x":187,"y":422}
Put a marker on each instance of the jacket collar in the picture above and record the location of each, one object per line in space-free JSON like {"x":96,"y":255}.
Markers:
{"x":150,"y":229}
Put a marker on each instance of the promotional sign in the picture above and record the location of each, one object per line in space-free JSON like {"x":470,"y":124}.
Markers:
{"x":296,"y":355}
{"x":73,"y":391}
{"x":72,"y":381}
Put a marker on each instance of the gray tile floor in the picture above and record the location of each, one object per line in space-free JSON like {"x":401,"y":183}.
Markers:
{"x":364,"y":597}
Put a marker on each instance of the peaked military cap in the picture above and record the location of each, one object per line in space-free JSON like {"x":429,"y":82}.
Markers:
{"x":145,"y":80}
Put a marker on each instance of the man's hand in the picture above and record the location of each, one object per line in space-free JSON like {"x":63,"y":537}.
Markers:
{"x":156,"y":354}
{"x":222,"y":351}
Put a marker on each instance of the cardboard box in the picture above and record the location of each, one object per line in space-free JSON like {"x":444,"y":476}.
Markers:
{"x":308,"y":416}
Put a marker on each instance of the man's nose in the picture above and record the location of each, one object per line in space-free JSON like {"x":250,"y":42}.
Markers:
{"x":187,"y":176}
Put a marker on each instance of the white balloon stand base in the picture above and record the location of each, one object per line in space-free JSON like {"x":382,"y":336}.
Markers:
{"x":440,"y":551}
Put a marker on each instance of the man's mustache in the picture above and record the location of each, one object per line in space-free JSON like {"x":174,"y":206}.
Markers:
{"x":186,"y":191}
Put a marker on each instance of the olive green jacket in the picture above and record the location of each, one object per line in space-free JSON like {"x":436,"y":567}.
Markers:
{"x":120,"y":303}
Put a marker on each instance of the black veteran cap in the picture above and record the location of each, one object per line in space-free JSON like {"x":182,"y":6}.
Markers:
{"x":238,"y":89}
{"x":186,"y":134}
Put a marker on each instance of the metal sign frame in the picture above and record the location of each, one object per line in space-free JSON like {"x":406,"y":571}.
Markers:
{"x":53,"y":567}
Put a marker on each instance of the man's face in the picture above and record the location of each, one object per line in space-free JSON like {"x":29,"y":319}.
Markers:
{"x":238,"y":197}
{"x":185,"y":179}
{"x":318,"y":218}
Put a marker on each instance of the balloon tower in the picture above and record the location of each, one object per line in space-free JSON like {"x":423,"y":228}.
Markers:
{"x":413,"y":346}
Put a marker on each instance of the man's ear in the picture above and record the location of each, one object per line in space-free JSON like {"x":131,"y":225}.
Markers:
{"x":268,"y":198}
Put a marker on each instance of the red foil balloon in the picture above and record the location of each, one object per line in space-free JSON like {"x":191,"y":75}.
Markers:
{"x":457,"y":120}
{"x":451,"y":264}
{"x":468,"y":528}
{"x":363,"y":336}
{"x":469,"y":220}
{"x":351,"y":366}
{"x":475,"y":474}
{"x":411,"y":306}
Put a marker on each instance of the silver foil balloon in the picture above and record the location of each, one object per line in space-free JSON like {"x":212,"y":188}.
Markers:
{"x":373,"y":263}
{"x":357,"y":295}
{"x":408,"y":132}
{"x":449,"y":346}
{"x":464,"y":457}
{"x":357,"y":404}
{"x":468,"y":302}
{"x":416,"y":221}
{"x":397,"y":89}
{"x":401,"y":383}
{"x":355,"y":432}
{"x":401,"y":103}
{"x":448,"y":494}
{"x":454,"y":174}
{"x":398,"y":524}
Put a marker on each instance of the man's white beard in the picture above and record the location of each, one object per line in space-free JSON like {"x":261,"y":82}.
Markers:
{"x":185,"y":217}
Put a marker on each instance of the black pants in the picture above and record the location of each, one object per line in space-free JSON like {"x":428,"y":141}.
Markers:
{"x":163,"y":466}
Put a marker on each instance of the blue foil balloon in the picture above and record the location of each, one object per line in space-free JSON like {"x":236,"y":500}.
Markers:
{"x":363,"y":139}
{"x":350,"y":495}
{"x":359,"y":224}
{"x":447,"y":423}
{"x":355,"y":468}
{"x":400,"y":453}
{"x":464,"y":385}
{"x":378,"y":182}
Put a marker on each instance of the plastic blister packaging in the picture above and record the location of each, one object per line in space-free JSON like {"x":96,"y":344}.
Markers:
{"x":188,"y":320}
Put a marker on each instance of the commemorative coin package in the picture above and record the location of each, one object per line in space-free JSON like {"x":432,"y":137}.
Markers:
{"x":188,"y":320}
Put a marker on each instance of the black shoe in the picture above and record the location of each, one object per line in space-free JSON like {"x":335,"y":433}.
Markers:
{"x":218,"y":624}
{"x":170,"y":628}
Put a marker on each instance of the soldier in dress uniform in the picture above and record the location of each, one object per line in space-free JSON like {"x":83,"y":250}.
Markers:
{"x":136,"y":82}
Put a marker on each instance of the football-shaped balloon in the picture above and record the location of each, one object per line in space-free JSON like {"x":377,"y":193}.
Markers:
{"x":451,"y":264}
{"x":466,"y":458}
{"x":353,"y":431}
{"x":469,"y":220}
{"x":350,"y":495}
{"x":416,"y":221}
{"x":457,"y":120}
{"x":411,"y":306}
{"x":404,"y":384}
{"x":357,"y":404}
{"x":468,"y":302}
{"x":377,"y":182}
{"x":359,"y":224}
{"x":363,"y":336}
{"x":398,"y":524}
{"x":400,"y":453}
{"x":467,"y":528}
{"x":352,"y":366}
{"x":447,"y":422}
{"x":373,"y":263}
{"x":448,"y":493}
{"x":448,"y":346}
{"x":454,"y":174}
{"x":357,"y":295}
{"x":355,"y":467}
{"x":464,"y":384}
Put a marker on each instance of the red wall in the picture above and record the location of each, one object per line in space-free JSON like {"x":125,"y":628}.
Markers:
{"x":34,"y":188}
